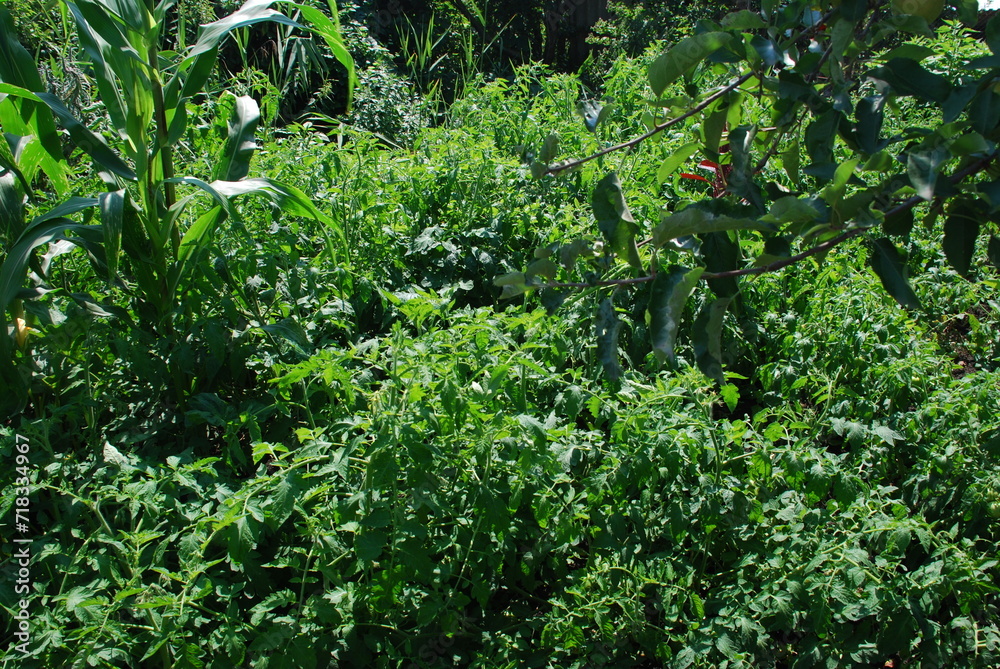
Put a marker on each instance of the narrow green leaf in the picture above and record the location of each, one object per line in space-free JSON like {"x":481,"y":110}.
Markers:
{"x":13,"y":188}
{"x":683,"y":56}
{"x":667,"y":297}
{"x":607,"y":328}
{"x":891,"y":271}
{"x":71,"y":206}
{"x":89,"y":142}
{"x":252,"y":11}
{"x":234,"y":160}
{"x":193,"y":246}
{"x":961,"y":228}
{"x":199,"y":61}
{"x":100,"y":17}
{"x":11,"y":205}
{"x":614,"y":218}
{"x":112,"y":207}
{"x":706,"y":336}
{"x":113,"y":67}
{"x":16,"y":64}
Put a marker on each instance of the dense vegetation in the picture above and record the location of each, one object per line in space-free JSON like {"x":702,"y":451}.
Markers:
{"x":288,"y":384}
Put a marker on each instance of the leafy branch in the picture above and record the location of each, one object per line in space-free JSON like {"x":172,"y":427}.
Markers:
{"x":822,"y":116}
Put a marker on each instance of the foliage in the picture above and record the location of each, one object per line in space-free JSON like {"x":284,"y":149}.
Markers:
{"x":793,"y":87}
{"x":338,"y":444}
{"x":146,"y":240}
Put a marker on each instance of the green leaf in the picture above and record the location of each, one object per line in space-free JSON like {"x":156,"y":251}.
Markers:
{"x":790,"y":161}
{"x":721,"y":254}
{"x":706,"y":336}
{"x":607,"y":328}
{"x":90,"y":143}
{"x":767,"y":50}
{"x":591,"y":112}
{"x":114,"y":62}
{"x":961,"y":228}
{"x":693,"y":220}
{"x":192,"y":249}
{"x":683,"y":56}
{"x":289,"y":330}
{"x":12,"y":271}
{"x":369,"y":544}
{"x":820,"y":137}
{"x":869,"y":115}
{"x":614,"y":219}
{"x":908,"y":77}
{"x":790,"y":209}
{"x":743,"y":20}
{"x":112,"y":207}
{"x":741,"y":178}
{"x":550,"y":148}
{"x":890,"y":269}
{"x":730,"y":395}
{"x":234,"y":160}
{"x":28,"y":117}
{"x":667,"y":297}
{"x":923,"y":166}
{"x":675,"y":160}
{"x":899,"y":224}
{"x":275,"y":600}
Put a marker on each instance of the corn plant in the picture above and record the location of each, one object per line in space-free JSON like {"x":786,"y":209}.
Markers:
{"x":150,"y":237}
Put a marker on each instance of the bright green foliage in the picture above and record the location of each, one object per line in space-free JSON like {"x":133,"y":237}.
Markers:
{"x":145,"y":92}
{"x":786,"y":87}
{"x":341,"y":445}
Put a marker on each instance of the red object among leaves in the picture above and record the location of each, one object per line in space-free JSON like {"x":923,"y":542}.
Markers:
{"x":688,"y":175}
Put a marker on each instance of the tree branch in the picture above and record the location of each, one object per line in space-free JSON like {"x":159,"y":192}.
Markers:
{"x":974,"y":168}
{"x":560,"y":167}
